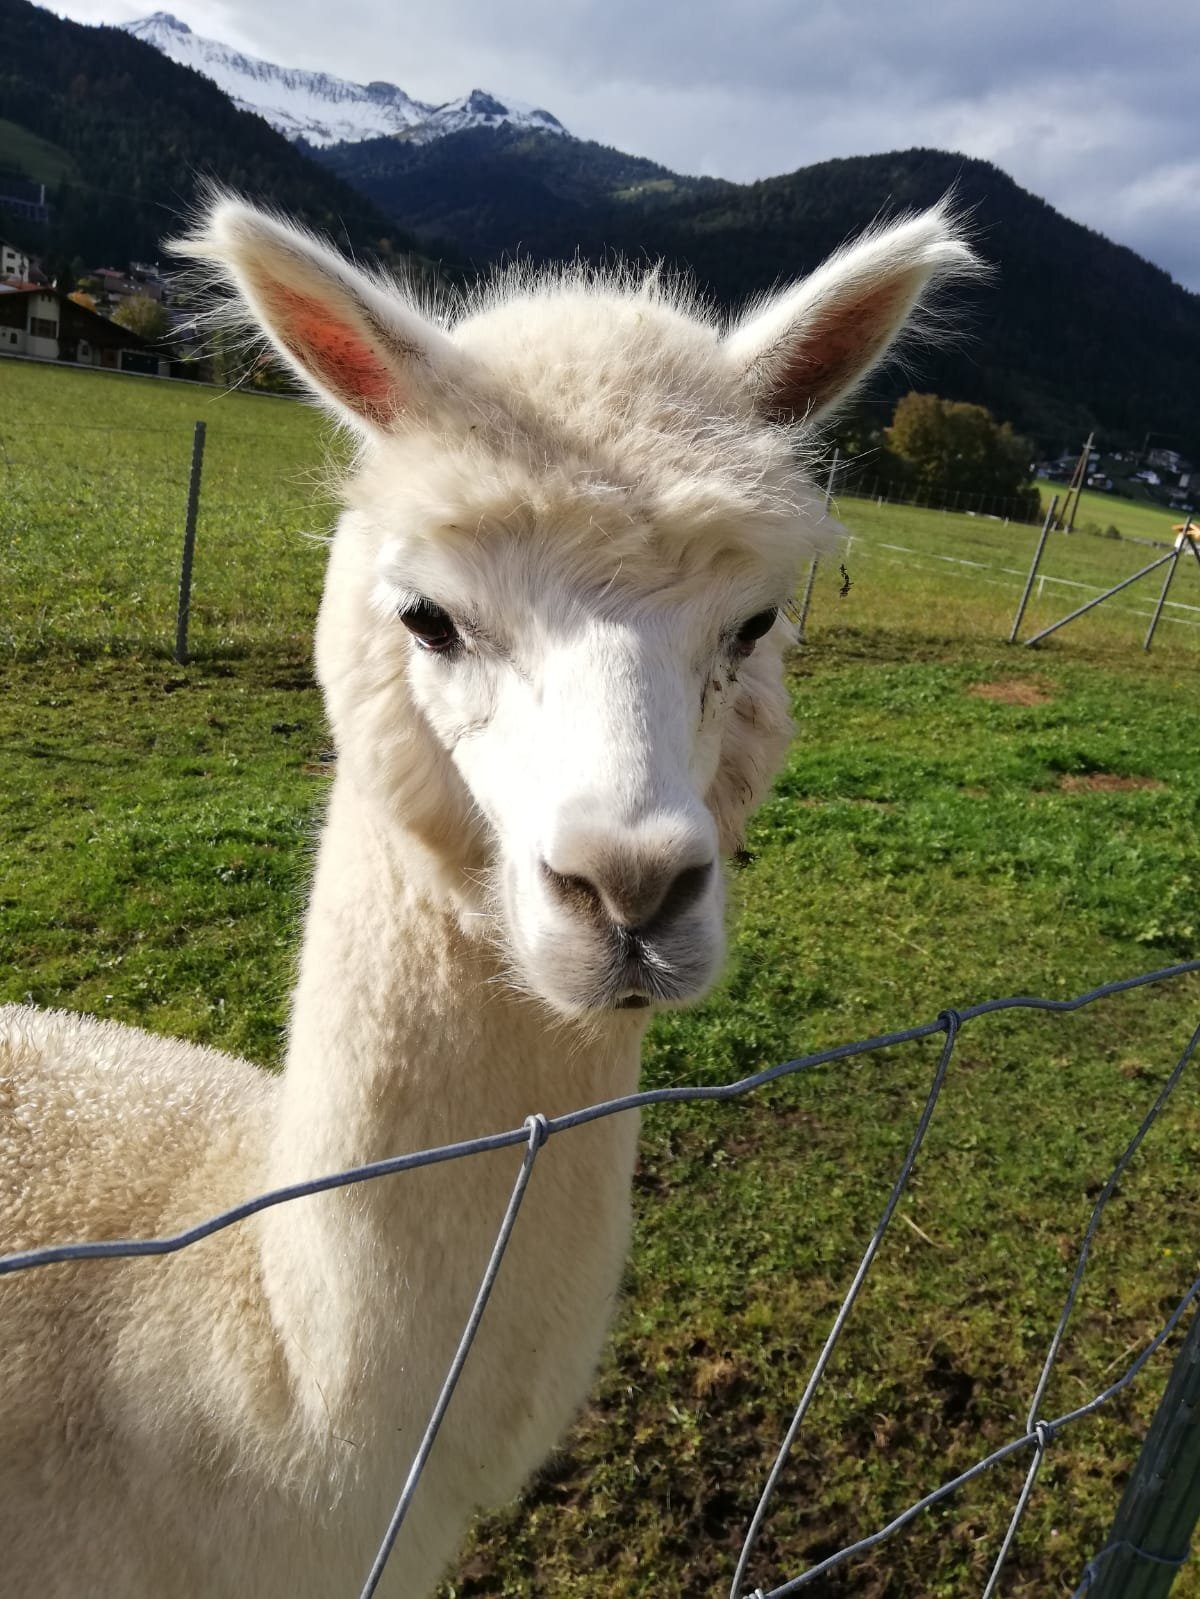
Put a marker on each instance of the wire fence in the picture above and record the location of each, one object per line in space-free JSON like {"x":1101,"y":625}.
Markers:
{"x":93,"y":514}
{"x":93,"y":517}
{"x":941,"y":497}
{"x":1041,"y":1431}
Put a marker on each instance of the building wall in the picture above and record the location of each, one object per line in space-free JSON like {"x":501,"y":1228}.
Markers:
{"x":13,"y":264}
{"x":51,"y":328}
{"x":43,"y":326}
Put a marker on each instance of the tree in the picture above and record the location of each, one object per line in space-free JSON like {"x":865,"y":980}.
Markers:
{"x":143,"y":316}
{"x":954,"y":453}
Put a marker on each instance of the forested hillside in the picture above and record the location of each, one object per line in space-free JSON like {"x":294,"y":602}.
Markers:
{"x":503,"y":190}
{"x":1072,"y":332}
{"x":124,"y":136}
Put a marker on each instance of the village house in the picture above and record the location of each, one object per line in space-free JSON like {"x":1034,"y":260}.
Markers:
{"x":15,"y":265}
{"x":112,"y":286}
{"x":45,"y":324}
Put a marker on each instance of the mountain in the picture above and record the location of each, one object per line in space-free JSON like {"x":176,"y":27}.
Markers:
{"x":498,"y":192}
{"x":1071,"y":333}
{"x":123,"y":138}
{"x":321,"y":109}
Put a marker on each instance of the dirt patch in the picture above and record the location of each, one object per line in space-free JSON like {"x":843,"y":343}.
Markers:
{"x":1012,"y":693}
{"x":1103,"y":783}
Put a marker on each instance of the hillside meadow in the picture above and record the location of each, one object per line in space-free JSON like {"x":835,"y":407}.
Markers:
{"x":958,"y":819}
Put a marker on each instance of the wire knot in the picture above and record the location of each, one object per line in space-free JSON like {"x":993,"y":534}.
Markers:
{"x":538,"y":1129}
{"x":1044,"y":1431}
{"x":950,"y":1021}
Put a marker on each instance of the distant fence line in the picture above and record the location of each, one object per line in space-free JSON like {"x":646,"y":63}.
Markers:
{"x":1151,"y":1533}
{"x":937,"y":497}
{"x":164,"y":490}
{"x":1007,"y":577}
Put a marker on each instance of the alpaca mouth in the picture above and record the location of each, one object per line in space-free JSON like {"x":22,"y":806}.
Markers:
{"x":644,"y":975}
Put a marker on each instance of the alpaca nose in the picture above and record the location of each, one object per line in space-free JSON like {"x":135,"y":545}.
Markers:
{"x":635,"y":888}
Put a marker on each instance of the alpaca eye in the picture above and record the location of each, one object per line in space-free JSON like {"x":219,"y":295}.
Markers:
{"x":430,"y":626}
{"x":748,"y":635}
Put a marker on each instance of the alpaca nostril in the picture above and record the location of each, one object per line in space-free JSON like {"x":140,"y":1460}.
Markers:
{"x":690,"y":885}
{"x":637,"y":900}
{"x":573,"y":892}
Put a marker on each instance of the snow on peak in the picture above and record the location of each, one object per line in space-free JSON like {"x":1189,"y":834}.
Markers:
{"x":160,"y":22}
{"x":482,"y":110}
{"x":320,"y":108}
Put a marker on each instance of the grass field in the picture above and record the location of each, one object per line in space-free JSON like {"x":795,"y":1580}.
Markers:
{"x":1132,"y":518}
{"x":36,"y":158}
{"x":957,"y":820}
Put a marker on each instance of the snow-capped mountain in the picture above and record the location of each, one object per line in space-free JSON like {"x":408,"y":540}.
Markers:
{"x":322,"y":109}
{"x":482,"y":110}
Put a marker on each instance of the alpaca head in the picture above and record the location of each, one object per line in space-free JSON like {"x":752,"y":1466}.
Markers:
{"x":552,"y":630}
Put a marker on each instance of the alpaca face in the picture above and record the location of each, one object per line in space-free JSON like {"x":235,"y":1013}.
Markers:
{"x":606,"y":742}
{"x":550,"y":641}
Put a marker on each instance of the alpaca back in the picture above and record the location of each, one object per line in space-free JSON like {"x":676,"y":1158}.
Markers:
{"x":160,"y":1438}
{"x":108,"y":1132}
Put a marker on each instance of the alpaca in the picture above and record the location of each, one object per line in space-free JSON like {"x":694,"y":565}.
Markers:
{"x":550,"y":648}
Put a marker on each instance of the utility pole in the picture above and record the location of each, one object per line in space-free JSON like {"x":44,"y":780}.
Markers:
{"x":1078,"y":478}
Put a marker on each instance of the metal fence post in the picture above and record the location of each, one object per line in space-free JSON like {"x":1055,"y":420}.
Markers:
{"x":1037,"y":557}
{"x":806,"y":601}
{"x":189,"y":546}
{"x":1161,"y":1503}
{"x":1100,"y":599}
{"x":1162,"y":598}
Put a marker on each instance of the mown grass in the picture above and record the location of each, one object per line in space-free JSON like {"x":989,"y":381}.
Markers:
{"x":1132,"y":518}
{"x":95,"y":477}
{"x":956,"y":820}
{"x":964,"y":575}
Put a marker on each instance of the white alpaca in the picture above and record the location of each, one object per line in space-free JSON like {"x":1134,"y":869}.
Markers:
{"x":550,"y":654}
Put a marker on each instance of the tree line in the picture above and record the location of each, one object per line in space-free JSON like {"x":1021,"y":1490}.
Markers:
{"x":945,"y":453}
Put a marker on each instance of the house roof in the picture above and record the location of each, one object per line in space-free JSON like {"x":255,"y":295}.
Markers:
{"x":72,"y":312}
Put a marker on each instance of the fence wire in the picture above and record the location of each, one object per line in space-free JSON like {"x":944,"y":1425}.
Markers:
{"x":1040,"y":1431}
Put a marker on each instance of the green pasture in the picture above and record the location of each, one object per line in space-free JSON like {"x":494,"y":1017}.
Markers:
{"x":1132,"y":518}
{"x":957,"y":820}
{"x":36,"y":158}
{"x":967,"y":575}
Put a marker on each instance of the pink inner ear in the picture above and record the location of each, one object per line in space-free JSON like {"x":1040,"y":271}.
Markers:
{"x":335,"y":352}
{"x":844,"y":341}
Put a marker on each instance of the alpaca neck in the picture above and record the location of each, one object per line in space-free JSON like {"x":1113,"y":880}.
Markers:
{"x":404,"y":1033}
{"x":404,"y":1037}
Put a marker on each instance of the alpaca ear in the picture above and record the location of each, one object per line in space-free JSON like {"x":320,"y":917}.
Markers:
{"x":807,"y":348}
{"x":360,"y":348}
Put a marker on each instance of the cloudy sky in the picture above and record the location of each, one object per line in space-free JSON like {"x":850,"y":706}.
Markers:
{"x":1096,"y":108}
